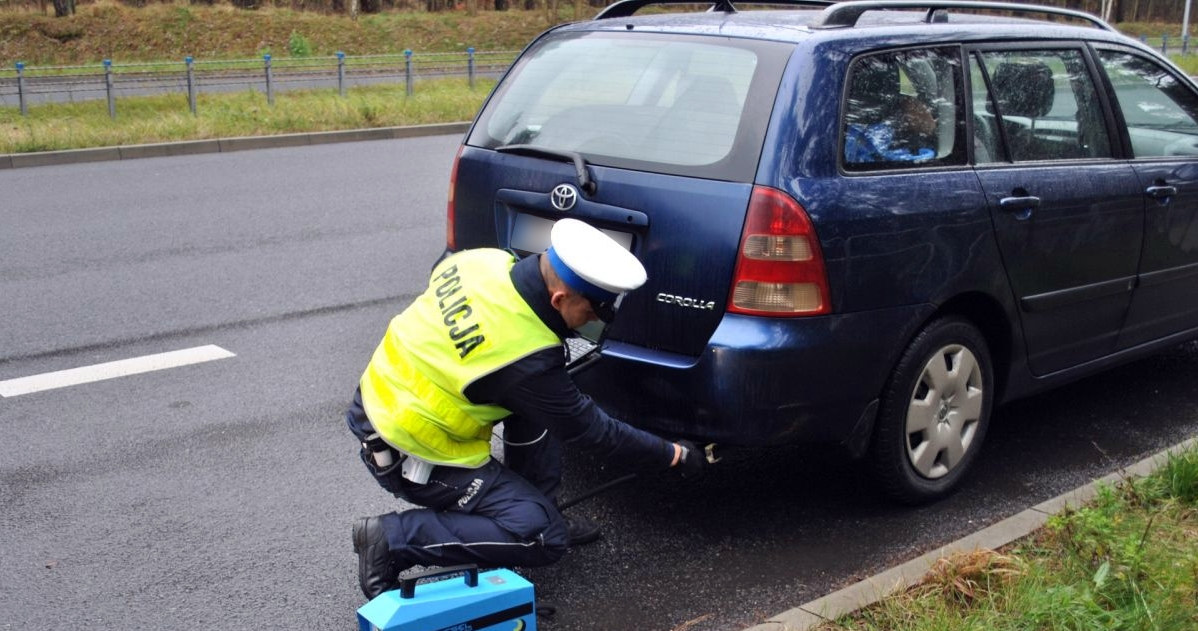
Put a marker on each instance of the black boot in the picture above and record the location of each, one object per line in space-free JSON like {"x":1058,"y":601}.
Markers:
{"x":581,"y":530}
{"x":377,"y":570}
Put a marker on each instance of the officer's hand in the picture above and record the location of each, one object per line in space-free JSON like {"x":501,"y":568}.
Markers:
{"x":692,"y":462}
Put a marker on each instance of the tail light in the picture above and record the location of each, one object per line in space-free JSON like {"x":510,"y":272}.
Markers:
{"x":451,"y":241}
{"x":779,"y":268}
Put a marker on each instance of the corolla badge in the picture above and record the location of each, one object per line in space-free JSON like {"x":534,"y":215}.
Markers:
{"x":683,"y":301}
{"x":563,"y":197}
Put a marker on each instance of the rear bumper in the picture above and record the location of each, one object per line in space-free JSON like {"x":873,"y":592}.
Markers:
{"x":760,"y":381}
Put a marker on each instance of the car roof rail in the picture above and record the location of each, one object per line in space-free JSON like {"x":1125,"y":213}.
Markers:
{"x":625,"y":8}
{"x":845,"y":14}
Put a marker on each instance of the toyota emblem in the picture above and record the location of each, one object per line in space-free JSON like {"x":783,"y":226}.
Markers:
{"x":563,"y":197}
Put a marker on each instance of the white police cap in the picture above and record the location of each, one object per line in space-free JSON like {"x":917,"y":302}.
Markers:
{"x":593,"y":264}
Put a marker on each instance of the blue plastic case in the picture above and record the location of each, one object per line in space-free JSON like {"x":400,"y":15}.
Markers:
{"x":496,"y":599}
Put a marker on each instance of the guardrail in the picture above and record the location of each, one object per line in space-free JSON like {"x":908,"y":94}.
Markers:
{"x":1175,"y":44}
{"x":24,"y":85}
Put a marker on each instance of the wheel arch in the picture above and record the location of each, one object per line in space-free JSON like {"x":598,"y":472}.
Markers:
{"x":988,"y":315}
{"x":982,"y":311}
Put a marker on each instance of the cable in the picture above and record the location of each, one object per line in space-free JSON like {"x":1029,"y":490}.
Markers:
{"x":531,"y":442}
{"x":597,"y":490}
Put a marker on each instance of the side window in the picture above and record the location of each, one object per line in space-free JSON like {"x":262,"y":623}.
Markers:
{"x":1160,"y":111}
{"x":1045,"y":104}
{"x":904,"y":110}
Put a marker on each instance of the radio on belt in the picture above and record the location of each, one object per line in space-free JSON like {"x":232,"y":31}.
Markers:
{"x":496,"y":599}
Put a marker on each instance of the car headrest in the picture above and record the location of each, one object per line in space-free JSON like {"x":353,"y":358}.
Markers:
{"x":1024,"y":89}
{"x":923,"y":78}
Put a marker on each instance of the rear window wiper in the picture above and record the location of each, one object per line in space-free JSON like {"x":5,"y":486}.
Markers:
{"x":585,"y":182}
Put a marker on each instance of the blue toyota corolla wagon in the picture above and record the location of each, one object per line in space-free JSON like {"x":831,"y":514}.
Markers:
{"x":864,"y":223}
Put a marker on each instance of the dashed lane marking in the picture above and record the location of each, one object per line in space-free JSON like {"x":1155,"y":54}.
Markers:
{"x":112,"y":370}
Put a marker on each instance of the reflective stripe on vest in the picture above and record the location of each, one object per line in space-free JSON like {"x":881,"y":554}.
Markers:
{"x":470,"y":322}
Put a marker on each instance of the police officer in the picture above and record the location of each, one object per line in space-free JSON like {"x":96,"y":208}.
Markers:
{"x":483,"y":344}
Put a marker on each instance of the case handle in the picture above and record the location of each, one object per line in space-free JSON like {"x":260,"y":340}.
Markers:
{"x":407,"y":586}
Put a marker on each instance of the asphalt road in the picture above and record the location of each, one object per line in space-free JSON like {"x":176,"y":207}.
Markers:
{"x":220,"y":495}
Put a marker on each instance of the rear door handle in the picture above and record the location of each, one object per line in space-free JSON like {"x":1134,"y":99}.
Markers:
{"x":1161,"y":192}
{"x":1021,"y":207}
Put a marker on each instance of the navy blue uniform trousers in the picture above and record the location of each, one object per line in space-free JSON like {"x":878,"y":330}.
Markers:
{"x":498,"y":515}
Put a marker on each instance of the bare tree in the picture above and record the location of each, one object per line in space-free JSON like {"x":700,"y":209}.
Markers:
{"x":63,"y":8}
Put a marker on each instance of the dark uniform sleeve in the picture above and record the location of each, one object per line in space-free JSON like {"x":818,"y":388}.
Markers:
{"x":540,"y":391}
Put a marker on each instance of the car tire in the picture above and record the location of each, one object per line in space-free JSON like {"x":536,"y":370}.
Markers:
{"x":933,"y":413}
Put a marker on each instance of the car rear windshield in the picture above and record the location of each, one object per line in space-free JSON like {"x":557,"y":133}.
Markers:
{"x":675,"y":104}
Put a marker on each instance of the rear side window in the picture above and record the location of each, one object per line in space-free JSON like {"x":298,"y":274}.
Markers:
{"x":679,"y":104}
{"x":1160,"y":111}
{"x":904,"y":109}
{"x":1043,"y":103}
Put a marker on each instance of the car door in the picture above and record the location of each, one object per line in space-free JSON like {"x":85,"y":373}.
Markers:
{"x":1159,"y":111}
{"x":1068,"y":216}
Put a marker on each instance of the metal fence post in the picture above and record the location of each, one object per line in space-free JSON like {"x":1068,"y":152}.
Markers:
{"x":1164,"y":44}
{"x":21,"y":88}
{"x":191,"y":84}
{"x":108,"y":87}
{"x":1185,"y":43}
{"x":270,"y":88}
{"x":341,"y":73}
{"x":470,"y":65}
{"x":407,"y":70}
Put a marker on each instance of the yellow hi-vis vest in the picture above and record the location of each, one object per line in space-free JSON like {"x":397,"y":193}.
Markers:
{"x":470,"y":322}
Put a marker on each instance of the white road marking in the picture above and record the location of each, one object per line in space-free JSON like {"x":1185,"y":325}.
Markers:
{"x":111,"y":370}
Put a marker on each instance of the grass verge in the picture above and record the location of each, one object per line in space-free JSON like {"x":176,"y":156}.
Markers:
{"x":1128,"y":560}
{"x":1187,"y":63}
{"x":142,"y":120}
{"x":172,"y":31}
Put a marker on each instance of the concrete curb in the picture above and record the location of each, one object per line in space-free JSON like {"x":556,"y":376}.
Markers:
{"x":221,"y":145}
{"x":897,"y":579}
